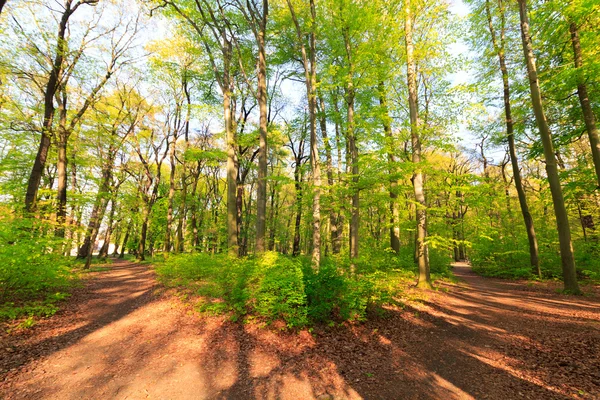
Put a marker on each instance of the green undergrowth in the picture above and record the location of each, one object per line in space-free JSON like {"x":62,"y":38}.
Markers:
{"x":515,"y":264}
{"x":276,"y":287}
{"x":34,"y":278}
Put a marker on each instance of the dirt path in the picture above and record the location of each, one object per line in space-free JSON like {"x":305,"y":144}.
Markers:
{"x":479,"y":339}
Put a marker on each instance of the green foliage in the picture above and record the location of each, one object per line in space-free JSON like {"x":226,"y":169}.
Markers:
{"x":33,"y":275}
{"x":277,"y":287}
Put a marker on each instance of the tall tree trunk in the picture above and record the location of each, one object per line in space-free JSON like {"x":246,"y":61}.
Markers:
{"x":194,"y":214}
{"x":298,"y":187}
{"x":274,"y":217}
{"x":125,"y":240}
{"x":394,"y":212}
{"x":97,"y":214}
{"x":334,"y":228}
{"x":261,"y":195}
{"x":232,"y":228}
{"x":143,"y":233}
{"x":37,"y":170}
{"x":560,"y":211}
{"x":87,"y":249}
{"x":529,"y":227}
{"x":109,"y":228}
{"x":586,"y":108}
{"x":118,"y":235}
{"x":315,"y":166}
{"x":337,"y":243}
{"x":422,"y":252}
{"x":309,"y":63}
{"x":352,"y":150}
{"x":169,"y":225}
{"x":61,"y":169}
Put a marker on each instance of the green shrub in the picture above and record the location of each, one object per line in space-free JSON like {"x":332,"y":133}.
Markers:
{"x":325,"y":291}
{"x":278,"y":289}
{"x":217,"y":278}
{"x":33,"y":275}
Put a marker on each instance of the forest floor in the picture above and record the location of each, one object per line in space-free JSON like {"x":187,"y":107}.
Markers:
{"x":123,"y":337}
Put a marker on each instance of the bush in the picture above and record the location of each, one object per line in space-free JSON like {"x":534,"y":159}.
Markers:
{"x":32,"y":275}
{"x":278,"y":289}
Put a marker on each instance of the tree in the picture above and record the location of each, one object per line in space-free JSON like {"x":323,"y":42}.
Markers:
{"x":422,"y":252}
{"x":309,"y":64}
{"x":560,"y":211}
{"x":213,"y":15}
{"x":54,"y":81}
{"x":499,"y":49}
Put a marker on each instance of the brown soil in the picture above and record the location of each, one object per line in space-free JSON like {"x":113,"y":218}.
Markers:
{"x":488,"y":339}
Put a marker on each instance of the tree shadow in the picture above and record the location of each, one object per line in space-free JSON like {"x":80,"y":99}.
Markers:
{"x":466,"y":343}
{"x":104,"y":300}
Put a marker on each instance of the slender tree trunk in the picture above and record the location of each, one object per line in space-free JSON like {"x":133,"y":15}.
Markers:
{"x":499,"y":49}
{"x":37,"y":170}
{"x":314,"y":143}
{"x":232,"y":228}
{"x":334,"y":228}
{"x":143,"y":233}
{"x":194,"y":213}
{"x":586,"y":108}
{"x":352,"y":150}
{"x":118,"y":235}
{"x":261,"y":195}
{"x":562,"y":219}
{"x":97,"y":214}
{"x":125,"y":240}
{"x":309,"y":63}
{"x":354,"y":223}
{"x":422,"y":253}
{"x":169,"y":225}
{"x":274,"y":217}
{"x":61,"y":167}
{"x":298,"y":220}
{"x":337,"y":243}
{"x":394,"y":212}
{"x":94,"y":228}
{"x":109,"y":228}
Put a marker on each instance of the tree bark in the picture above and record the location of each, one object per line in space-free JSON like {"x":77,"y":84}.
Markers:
{"x":560,"y":211}
{"x":61,"y":169}
{"x":309,"y":63}
{"x":527,"y":218}
{"x":169,"y":226}
{"x":422,"y":252}
{"x":394,"y":212}
{"x":109,"y":228}
{"x":261,"y":195}
{"x":584,"y":101}
{"x":52,"y":86}
{"x":232,"y":228}
{"x":334,"y":220}
{"x":125,"y":240}
{"x":299,"y":193}
{"x":352,"y":150}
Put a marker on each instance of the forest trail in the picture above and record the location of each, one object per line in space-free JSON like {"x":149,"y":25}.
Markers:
{"x":118,"y":338}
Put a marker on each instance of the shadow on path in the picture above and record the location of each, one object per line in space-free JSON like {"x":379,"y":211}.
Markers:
{"x":480,"y":338}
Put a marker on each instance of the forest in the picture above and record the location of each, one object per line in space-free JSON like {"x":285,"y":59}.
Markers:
{"x":297,"y":161}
